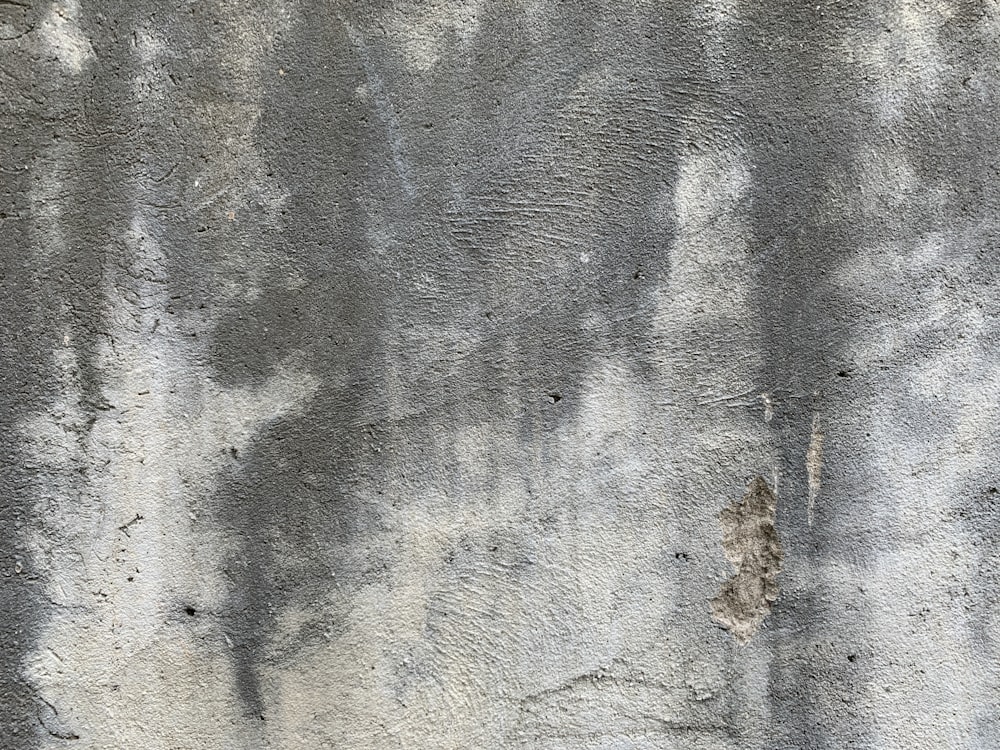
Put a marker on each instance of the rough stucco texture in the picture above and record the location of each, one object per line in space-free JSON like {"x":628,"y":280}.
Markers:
{"x":374,"y":375}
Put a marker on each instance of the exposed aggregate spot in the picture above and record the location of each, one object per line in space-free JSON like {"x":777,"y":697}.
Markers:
{"x":752,"y":545}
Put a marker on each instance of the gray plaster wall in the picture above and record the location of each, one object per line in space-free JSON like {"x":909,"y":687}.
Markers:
{"x":374,"y":375}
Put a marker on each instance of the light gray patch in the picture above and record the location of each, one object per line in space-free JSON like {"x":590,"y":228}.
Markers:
{"x":814,"y":464}
{"x":752,"y":545}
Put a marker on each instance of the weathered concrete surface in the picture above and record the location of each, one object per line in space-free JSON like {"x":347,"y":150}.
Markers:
{"x":374,"y":374}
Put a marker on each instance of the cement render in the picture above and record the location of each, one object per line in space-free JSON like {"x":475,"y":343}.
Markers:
{"x":375,"y":374}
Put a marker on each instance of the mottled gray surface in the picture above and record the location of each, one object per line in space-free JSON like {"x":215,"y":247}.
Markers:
{"x":374,"y":374}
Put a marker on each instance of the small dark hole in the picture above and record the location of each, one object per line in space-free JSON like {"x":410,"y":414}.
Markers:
{"x":993,"y":490}
{"x":852,"y":657}
{"x":130,"y":579}
{"x":554,"y":398}
{"x":190,"y":611}
{"x":842,"y":374}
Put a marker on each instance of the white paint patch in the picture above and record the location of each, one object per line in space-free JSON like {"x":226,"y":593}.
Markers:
{"x":709,"y":188}
{"x":710,"y":277}
{"x":724,"y":18}
{"x":61,"y":33}
{"x":931,"y":683}
{"x":515,"y":608}
{"x":874,"y":273}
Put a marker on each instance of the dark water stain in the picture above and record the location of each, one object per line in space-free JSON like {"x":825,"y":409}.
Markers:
{"x":814,"y":134}
{"x":461,"y":247}
{"x":25,"y":382}
{"x":805,"y":120}
{"x":507,"y":254}
{"x":50,"y":274}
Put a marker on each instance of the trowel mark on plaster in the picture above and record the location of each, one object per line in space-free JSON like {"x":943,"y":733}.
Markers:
{"x":814,"y":465}
{"x":752,"y":545}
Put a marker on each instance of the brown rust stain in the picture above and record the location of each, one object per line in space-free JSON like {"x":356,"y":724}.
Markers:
{"x":752,"y":545}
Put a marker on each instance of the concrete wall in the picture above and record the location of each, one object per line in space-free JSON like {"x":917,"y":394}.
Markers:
{"x":518,"y":374}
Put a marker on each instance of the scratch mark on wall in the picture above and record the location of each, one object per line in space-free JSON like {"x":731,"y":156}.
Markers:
{"x":752,"y":546}
{"x":768,"y":406}
{"x":814,"y":465}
